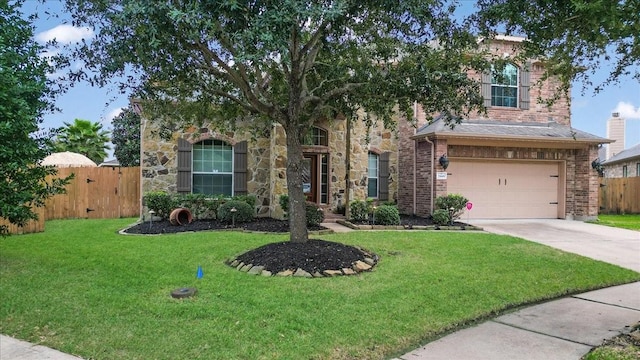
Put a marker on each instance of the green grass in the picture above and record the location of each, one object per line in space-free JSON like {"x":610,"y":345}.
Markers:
{"x":83,"y":289}
{"x":631,"y":221}
{"x":614,"y":353}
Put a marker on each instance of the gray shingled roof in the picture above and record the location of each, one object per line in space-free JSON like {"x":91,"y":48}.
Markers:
{"x":515,"y":130}
{"x":627,"y":154}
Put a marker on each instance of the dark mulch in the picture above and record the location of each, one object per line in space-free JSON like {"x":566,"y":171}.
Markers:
{"x":409,"y":221}
{"x":258,"y":224}
{"x":312,"y":256}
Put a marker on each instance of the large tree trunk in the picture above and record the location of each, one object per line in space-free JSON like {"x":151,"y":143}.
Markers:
{"x":297,"y":204}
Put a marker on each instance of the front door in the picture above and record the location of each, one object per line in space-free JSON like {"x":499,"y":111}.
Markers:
{"x":310,"y":177}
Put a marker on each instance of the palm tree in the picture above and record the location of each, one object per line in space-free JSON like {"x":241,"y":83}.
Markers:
{"x":84,"y":137}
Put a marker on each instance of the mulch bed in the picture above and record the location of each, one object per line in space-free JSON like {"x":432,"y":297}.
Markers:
{"x":313,"y":256}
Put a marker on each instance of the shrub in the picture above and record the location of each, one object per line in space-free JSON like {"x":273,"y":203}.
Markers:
{"x":244,"y":212}
{"x":314,"y":214}
{"x":359,"y":210}
{"x":441,"y":217}
{"x":249,"y":199}
{"x":387,"y":215}
{"x":160,"y":202}
{"x":340,"y":209}
{"x":284,"y":203}
{"x":456,"y":202}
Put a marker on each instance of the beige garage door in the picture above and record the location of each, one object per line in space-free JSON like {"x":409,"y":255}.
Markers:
{"x":505,"y":189}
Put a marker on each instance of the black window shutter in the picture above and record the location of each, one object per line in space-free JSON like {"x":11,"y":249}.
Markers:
{"x":486,"y":88}
{"x":184,"y":166}
{"x":525,"y":79}
{"x":240,"y":168}
{"x":383,"y":175}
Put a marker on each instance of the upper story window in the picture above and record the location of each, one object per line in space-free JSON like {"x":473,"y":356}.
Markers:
{"x":638,"y":169}
{"x":316,"y":136}
{"x":625,"y":171}
{"x":372,"y":176}
{"x":504,"y":87}
{"x":212,"y":168}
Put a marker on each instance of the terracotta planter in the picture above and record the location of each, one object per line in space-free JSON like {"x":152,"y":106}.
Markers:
{"x":181,"y":216}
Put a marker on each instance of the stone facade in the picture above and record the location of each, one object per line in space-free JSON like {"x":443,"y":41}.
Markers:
{"x":266,"y":160}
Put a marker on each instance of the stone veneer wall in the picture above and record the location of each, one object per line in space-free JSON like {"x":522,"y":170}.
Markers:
{"x":267,"y":160}
{"x":615,"y":170}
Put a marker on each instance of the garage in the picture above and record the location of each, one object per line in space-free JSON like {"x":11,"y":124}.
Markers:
{"x":507,"y":189}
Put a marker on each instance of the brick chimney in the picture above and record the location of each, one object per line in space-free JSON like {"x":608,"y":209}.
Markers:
{"x":615,"y":131}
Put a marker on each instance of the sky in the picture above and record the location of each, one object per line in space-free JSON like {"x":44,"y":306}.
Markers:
{"x":589,"y":111}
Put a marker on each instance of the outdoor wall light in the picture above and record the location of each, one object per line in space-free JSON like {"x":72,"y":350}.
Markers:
{"x":444,"y":162}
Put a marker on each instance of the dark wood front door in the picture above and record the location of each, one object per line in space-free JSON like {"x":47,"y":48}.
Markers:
{"x":310,"y":178}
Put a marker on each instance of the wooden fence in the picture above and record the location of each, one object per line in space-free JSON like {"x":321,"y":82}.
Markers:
{"x":93,"y":193}
{"x":31,"y":227}
{"x":620,"y":195}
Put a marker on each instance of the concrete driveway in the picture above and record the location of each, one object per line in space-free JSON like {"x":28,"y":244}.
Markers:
{"x":615,"y":246}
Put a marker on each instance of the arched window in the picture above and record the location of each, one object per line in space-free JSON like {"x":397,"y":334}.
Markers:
{"x":316,"y":136}
{"x":504,"y":87}
{"x":212,"y":168}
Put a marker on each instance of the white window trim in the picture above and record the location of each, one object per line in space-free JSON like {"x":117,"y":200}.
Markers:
{"x":377,"y":177}
{"x":233,"y":166}
{"x":516,"y":86}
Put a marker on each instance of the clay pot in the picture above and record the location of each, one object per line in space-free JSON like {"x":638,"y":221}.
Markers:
{"x":180,"y":216}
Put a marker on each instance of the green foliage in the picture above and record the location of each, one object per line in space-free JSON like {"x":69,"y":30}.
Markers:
{"x":161,"y":202}
{"x":84,"y":137}
{"x":249,"y":199}
{"x":314,"y":214}
{"x":244,"y":212}
{"x":387,"y":215}
{"x":575,"y":37}
{"x":201,"y":206}
{"x":25,"y":94}
{"x":289,"y":62}
{"x":125,"y":137}
{"x":360,"y":210}
{"x":441,"y":217}
{"x":284,"y":203}
{"x":453,"y":203}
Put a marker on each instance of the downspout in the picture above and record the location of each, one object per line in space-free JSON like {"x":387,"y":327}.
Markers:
{"x":433,"y":149}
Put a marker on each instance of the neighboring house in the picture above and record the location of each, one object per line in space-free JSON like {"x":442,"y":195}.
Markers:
{"x":520,"y":160}
{"x":624,"y":164}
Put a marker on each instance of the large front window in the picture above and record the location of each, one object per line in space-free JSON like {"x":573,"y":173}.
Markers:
{"x":504,"y":87}
{"x":212,"y":168}
{"x":372,"y":190}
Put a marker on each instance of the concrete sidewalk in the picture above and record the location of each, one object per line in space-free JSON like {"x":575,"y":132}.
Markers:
{"x":13,"y":349}
{"x":563,"y":329}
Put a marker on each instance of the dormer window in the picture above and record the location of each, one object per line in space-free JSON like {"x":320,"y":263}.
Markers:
{"x":504,"y":87}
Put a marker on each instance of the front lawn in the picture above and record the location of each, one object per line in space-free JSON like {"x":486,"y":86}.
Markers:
{"x":629,"y":221}
{"x":84,"y":289}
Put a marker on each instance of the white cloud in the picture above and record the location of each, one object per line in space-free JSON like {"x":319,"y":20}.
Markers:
{"x":65,"y":34}
{"x":113,"y":113}
{"x":627,"y":110}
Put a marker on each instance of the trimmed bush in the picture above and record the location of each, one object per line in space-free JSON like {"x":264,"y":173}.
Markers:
{"x":160,"y":202}
{"x":249,"y":199}
{"x":456,"y":202}
{"x":359,"y":210}
{"x":387,"y":215}
{"x":314,"y":214}
{"x":440,"y":217}
{"x":244,"y":212}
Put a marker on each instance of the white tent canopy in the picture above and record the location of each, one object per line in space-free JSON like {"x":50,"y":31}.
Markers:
{"x":68,"y":159}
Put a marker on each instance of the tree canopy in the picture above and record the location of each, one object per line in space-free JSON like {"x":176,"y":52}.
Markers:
{"x":289,"y":62}
{"x":125,"y":137}
{"x":84,"y":137}
{"x":575,"y":37}
{"x":25,"y":95}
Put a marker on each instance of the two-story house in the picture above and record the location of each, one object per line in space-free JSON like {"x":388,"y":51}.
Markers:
{"x":522,"y":159}
{"x":519,"y":160}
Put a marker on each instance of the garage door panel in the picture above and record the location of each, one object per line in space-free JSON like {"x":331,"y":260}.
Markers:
{"x":506,"y":189}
